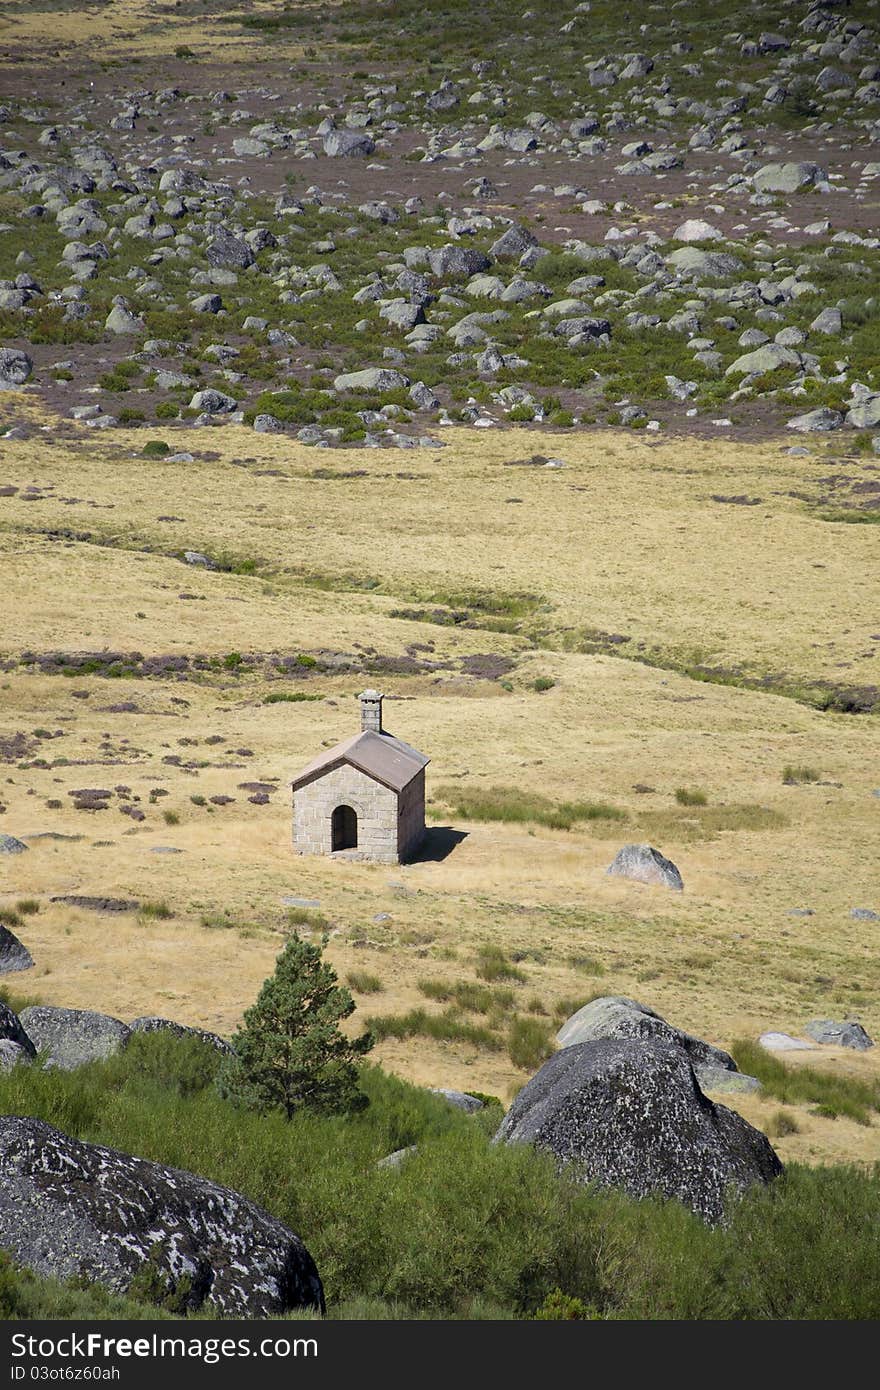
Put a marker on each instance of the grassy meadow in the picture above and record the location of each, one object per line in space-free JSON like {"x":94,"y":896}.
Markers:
{"x":487,"y":596}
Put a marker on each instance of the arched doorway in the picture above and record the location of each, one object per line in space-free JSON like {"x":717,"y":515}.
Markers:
{"x":344,"y":828}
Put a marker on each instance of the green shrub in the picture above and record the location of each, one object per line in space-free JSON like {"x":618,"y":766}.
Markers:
{"x":218,"y":921}
{"x":469,"y":996}
{"x":171,"y":818}
{"x":182,"y":1066}
{"x":528,"y":1043}
{"x":587,"y":965}
{"x":492,"y":964}
{"x":289,"y":697}
{"x":562,"y":1307}
{"x":446,"y":1027}
{"x":781,"y":1124}
{"x":306,"y":917}
{"x":27,"y":907}
{"x":543,"y":683}
{"x":364,"y":982}
{"x":565,"y":1007}
{"x":464,"y":1228}
{"x":155,"y":449}
{"x":167,"y":410}
{"x":791,"y":776}
{"x":691,"y":797}
{"x":834,"y":1095}
{"x":155,"y":911}
{"x":515,"y":806}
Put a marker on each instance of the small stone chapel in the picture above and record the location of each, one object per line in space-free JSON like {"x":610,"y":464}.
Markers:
{"x":364,"y":798}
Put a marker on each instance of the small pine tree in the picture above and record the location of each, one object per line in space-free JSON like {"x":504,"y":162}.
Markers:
{"x":290,"y":1053}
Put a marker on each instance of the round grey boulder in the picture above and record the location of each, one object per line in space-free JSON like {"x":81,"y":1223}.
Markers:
{"x":820,"y":421}
{"x":70,"y":1209}
{"x":211,"y":402}
{"x":148,"y":1024}
{"x":629,"y":1114}
{"x":615,"y":1016}
{"x":371,"y":379}
{"x":697,"y":264}
{"x":456,"y":260}
{"x":13,"y":954}
{"x":848,"y":1034}
{"x":460,"y":1099}
{"x":787,"y":178}
{"x":268,"y":424}
{"x":644,"y":864}
{"x":122,"y":321}
{"x":73,"y":1037}
{"x":348,"y":144}
{"x":229,"y":252}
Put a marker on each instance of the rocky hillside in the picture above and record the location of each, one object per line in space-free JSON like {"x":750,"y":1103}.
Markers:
{"x":361,"y":223}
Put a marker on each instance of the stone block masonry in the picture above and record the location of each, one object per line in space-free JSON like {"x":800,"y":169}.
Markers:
{"x":375,"y":806}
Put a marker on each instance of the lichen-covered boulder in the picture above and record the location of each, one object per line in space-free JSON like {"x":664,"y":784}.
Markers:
{"x":371,"y":379}
{"x":147,"y":1024}
{"x":831,"y":1033}
{"x":630,"y":1114}
{"x":11,"y":1030}
{"x":644,"y":864}
{"x":348,"y":144}
{"x":13,"y":955}
{"x":72,"y":1037}
{"x":70,"y":1209}
{"x":15,"y":368}
{"x":11,"y":1055}
{"x":15,"y":1045}
{"x":615,"y":1016}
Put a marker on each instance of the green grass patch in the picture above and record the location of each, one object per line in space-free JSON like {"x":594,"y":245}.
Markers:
{"x":364,"y":982}
{"x":289,"y":697}
{"x":792,"y":775}
{"x":469,"y":996}
{"x":492,"y":965}
{"x":832,"y":1095}
{"x":691,"y":823}
{"x":512,"y":805}
{"x":690,"y":797}
{"x":306,"y":917}
{"x":446,"y":1027}
{"x":155,"y":912}
{"x":529,"y":1043}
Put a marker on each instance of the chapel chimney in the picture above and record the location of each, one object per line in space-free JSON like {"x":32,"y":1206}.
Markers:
{"x":371,"y":711}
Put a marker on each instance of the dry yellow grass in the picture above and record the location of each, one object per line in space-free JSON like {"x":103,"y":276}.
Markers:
{"x":124,"y":30}
{"x":625,"y":539}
